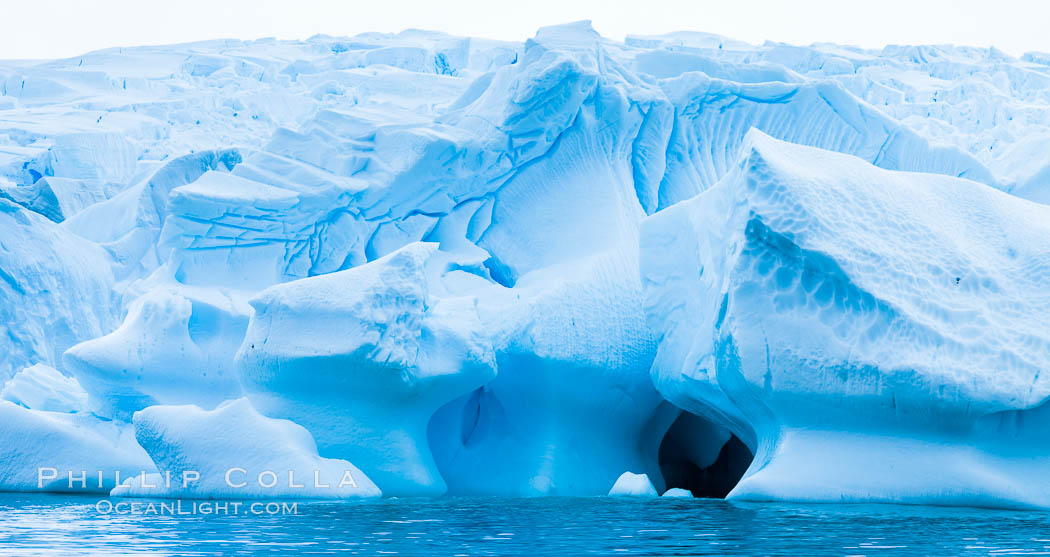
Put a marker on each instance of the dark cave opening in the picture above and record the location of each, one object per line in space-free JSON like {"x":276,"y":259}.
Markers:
{"x":702,"y":457}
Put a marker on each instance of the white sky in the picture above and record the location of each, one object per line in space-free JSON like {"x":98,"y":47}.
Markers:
{"x":59,"y":28}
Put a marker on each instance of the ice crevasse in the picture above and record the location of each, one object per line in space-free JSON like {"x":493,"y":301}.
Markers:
{"x":453,"y":265}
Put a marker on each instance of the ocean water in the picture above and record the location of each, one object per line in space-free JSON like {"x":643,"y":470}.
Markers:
{"x":73,"y":525}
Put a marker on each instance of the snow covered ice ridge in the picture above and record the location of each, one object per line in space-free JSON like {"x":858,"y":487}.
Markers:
{"x":466,"y":266}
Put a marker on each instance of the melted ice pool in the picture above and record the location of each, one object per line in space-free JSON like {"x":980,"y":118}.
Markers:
{"x":65,"y":525}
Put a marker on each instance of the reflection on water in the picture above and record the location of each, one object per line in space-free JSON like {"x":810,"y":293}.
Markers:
{"x":69,"y":525}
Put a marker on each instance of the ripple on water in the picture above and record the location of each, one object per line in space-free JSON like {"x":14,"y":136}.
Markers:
{"x":70,"y":525}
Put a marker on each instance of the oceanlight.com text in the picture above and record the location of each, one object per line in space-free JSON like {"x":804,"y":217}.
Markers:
{"x":179,"y":507}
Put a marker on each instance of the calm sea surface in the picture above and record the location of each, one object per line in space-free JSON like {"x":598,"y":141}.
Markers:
{"x":72,"y":525}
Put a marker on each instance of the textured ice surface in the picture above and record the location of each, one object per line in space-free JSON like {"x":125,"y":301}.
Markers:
{"x":174,"y":347}
{"x":55,"y":289}
{"x":233,"y":452}
{"x":42,"y":387}
{"x":848,"y":321}
{"x":364,"y":357}
{"x":63,"y":452}
{"x":532,"y":430}
{"x":424,"y":249}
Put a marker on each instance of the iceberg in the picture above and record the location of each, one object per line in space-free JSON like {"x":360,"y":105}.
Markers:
{"x":173,"y":348}
{"x":855,"y":330}
{"x":65,"y":452}
{"x":42,"y":387}
{"x":363,"y":357}
{"x":478,"y":267}
{"x":531,"y":430}
{"x":232,"y":452}
{"x":56,"y":289}
{"x":630,"y":484}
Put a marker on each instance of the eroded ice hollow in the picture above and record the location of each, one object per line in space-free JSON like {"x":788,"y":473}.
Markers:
{"x":424,"y":249}
{"x":873,"y":335}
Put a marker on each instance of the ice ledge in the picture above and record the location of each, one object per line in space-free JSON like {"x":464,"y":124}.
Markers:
{"x":823,"y":466}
